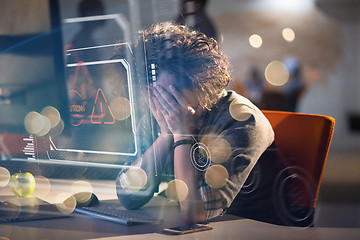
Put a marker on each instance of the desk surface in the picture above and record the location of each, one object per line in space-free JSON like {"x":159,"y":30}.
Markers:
{"x":225,"y":228}
{"x":85,"y":228}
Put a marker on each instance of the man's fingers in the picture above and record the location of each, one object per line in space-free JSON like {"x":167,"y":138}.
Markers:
{"x":160,"y":107}
{"x":178,"y":96}
{"x":181,"y":99}
{"x":167,"y":98}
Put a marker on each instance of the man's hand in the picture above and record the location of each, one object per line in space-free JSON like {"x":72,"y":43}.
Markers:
{"x":175,"y":109}
{"x":164,"y":129}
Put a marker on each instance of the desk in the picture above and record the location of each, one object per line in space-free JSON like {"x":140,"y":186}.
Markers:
{"x":225,"y":228}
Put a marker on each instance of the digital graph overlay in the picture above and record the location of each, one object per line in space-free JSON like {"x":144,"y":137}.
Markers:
{"x":101,"y":112}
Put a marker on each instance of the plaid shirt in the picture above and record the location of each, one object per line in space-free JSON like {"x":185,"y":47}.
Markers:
{"x":248,"y":139}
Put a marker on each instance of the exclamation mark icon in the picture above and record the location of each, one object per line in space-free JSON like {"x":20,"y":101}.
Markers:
{"x":100,"y":115}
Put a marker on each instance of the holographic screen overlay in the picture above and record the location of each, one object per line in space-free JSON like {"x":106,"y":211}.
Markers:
{"x":103,"y":133}
{"x":92,"y":109}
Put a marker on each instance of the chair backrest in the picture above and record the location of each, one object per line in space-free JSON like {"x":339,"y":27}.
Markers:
{"x":303,"y":141}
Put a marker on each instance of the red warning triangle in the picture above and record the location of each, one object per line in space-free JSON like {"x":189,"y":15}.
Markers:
{"x":101,"y":113}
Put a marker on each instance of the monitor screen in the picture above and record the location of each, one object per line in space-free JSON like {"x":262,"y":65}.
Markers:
{"x":106,"y":96}
{"x":79,"y":115}
{"x":104,"y":112}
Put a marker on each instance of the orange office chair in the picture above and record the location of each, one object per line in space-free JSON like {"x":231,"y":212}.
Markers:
{"x":303,"y":141}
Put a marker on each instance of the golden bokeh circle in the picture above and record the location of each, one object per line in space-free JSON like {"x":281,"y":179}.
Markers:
{"x":177,"y":190}
{"x":276,"y":73}
{"x":65,"y":203}
{"x":14,"y":205}
{"x":42,"y":187}
{"x":58,"y":129}
{"x":52,"y":114}
{"x":255,"y":40}
{"x":220,"y":149}
{"x":31,"y":204}
{"x":120,"y":107}
{"x":288,"y":34}
{"x":46,"y":127}
{"x":4,"y":177}
{"x":34,"y":122}
{"x":239,"y":112}
{"x":216,"y":176}
{"x":82,"y":189}
{"x":133,"y":179}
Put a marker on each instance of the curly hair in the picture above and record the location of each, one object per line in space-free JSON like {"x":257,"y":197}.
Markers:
{"x":193,"y":58}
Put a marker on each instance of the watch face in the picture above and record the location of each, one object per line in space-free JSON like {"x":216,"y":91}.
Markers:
{"x":200,"y":156}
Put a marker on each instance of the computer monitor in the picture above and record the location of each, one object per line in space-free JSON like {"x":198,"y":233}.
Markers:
{"x":101,"y":98}
{"x":106,"y":94}
{"x":107,"y":100}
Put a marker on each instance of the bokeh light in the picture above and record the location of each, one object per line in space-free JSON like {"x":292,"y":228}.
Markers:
{"x":30,"y":203}
{"x":219,"y":147}
{"x":46,"y":127}
{"x":134,"y":179}
{"x":177,"y":190}
{"x":82,"y":189}
{"x":4,"y":177}
{"x":52,"y":114}
{"x":34,"y":122}
{"x":276,"y":73}
{"x":288,"y":34}
{"x":15,"y":206}
{"x":49,"y":121}
{"x":65,"y":202}
{"x":216,"y":176}
{"x":255,"y":41}
{"x":80,"y":186}
{"x":121,"y":108}
{"x":58,"y":129}
{"x":239,"y":112}
{"x":42,"y":187}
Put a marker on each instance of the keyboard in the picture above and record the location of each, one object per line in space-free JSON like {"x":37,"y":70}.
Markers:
{"x":14,"y":213}
{"x":116,"y":215}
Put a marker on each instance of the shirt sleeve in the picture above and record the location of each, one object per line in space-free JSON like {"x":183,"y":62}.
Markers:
{"x":135,"y":200}
{"x":242,"y":142}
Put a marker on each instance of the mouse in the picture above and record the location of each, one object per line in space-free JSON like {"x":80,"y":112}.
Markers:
{"x":91,"y":201}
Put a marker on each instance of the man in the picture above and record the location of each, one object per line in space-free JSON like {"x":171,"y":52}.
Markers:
{"x":210,"y":138}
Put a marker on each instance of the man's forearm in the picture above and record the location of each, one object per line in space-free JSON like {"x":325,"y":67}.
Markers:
{"x":156,"y":154}
{"x":192,"y":208}
{"x":148,"y":162}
